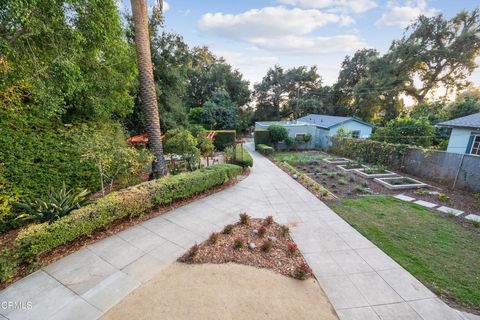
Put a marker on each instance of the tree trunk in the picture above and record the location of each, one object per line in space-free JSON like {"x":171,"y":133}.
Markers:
{"x":148,"y":94}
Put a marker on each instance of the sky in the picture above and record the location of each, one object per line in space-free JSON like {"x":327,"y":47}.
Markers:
{"x":254,"y":35}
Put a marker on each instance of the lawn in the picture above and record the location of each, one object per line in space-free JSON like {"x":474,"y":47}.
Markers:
{"x":441,"y":254}
{"x":295,"y":158}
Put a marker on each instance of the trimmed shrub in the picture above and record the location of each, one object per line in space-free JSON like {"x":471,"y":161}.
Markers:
{"x":261,"y":136}
{"x":130,"y":202}
{"x":224,"y":138}
{"x":264,"y":149}
{"x":242,"y":157}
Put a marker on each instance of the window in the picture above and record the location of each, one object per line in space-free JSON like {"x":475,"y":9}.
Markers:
{"x":356,"y":134}
{"x":300,"y":136}
{"x":476,"y":145}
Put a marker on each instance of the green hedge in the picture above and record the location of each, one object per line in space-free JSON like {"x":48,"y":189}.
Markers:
{"x":129,"y":202}
{"x":370,"y":151}
{"x":224,"y":138}
{"x":264,"y":149}
{"x":242,"y":157}
{"x":261,"y":136}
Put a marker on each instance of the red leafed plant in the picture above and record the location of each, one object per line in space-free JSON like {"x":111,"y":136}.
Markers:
{"x":261,"y":231}
{"x":302,"y":271}
{"x":268,"y":221}
{"x":292,"y":248}
{"x":192,"y":252}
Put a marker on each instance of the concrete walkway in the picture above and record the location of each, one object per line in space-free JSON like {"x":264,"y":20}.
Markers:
{"x":361,"y":281}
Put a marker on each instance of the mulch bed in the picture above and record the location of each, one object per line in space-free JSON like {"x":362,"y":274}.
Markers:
{"x":278,"y":258}
{"x":6,"y":240}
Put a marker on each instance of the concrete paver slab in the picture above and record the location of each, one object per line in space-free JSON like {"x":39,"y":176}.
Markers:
{"x":404,"y":197}
{"x":425,"y":204}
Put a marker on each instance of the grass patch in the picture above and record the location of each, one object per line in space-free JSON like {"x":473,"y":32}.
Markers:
{"x":295,"y":158}
{"x":441,"y":254}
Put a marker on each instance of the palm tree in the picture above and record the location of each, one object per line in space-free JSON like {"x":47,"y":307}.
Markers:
{"x":148,"y":94}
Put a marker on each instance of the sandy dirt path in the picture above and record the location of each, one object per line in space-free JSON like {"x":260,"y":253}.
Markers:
{"x":223,"y":291}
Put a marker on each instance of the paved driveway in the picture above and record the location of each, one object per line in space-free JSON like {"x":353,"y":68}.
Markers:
{"x":361,"y":281}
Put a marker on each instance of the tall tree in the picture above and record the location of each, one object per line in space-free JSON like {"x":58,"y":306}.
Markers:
{"x":437,"y":52}
{"x":148,"y":93}
{"x":353,"y":70}
{"x":288,"y":93}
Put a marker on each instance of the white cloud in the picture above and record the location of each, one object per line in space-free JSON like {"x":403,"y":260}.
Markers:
{"x":402,"y":16}
{"x":282,"y":30}
{"x":311,"y":44}
{"x":252,"y":66}
{"x":166,"y":6}
{"x":356,"y":6}
{"x":268,"y":22}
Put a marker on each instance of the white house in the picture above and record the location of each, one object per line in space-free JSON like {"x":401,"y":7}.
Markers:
{"x":465,"y":136}
{"x":321,"y":128}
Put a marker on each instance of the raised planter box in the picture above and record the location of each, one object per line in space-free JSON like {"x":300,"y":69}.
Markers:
{"x":400,"y":183}
{"x":336,"y":160}
{"x":385,"y":174}
{"x":344,"y":167}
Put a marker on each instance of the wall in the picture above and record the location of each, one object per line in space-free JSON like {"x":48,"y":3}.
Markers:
{"x":442,"y":167}
{"x":307,"y":129}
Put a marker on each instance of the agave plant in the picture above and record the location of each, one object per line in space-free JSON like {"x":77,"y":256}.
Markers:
{"x":60,"y":203}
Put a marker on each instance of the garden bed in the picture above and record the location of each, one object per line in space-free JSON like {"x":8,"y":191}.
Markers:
{"x":370,"y":174}
{"x":351,"y":185}
{"x":350,"y":167}
{"x":245,"y":243}
{"x":336,"y":160}
{"x":400,"y":183}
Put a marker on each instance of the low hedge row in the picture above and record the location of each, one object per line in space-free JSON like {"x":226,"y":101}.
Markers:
{"x":264,"y":149}
{"x":224,"y":138}
{"x":242,"y":156}
{"x":261,"y":136}
{"x":130,"y":202}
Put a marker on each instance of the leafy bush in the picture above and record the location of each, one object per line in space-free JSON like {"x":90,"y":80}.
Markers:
{"x":284,"y":230}
{"x":264,"y":149}
{"x":228,"y":229}
{"x":292,"y":248}
{"x":182,"y":143}
{"x":239,"y":243}
{"x":129,"y":202}
{"x":266,"y":246}
{"x":60,"y":203}
{"x":244,"y":218}
{"x":278,"y":133}
{"x":261,"y":136}
{"x":224,"y":138}
{"x":213,"y":238}
{"x":406,"y":130}
{"x":242,"y":157}
{"x":268,"y":220}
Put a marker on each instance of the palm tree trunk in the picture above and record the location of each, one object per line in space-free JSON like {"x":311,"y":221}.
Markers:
{"x":148,"y":94}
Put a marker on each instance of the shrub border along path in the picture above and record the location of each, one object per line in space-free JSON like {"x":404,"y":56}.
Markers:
{"x":131,"y":202}
{"x":359,"y":279}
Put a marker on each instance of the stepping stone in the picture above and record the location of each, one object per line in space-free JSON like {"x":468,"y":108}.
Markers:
{"x":404,"y":197}
{"x":473,"y":217}
{"x":449,"y":210}
{"x":425,"y":204}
